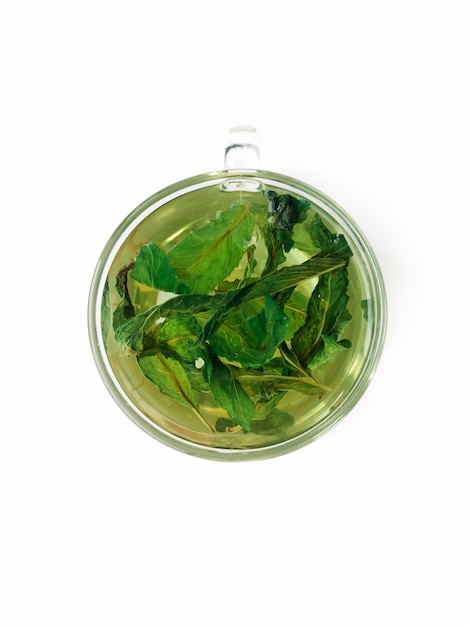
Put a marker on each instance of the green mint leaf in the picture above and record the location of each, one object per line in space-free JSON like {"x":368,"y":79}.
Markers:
{"x":251,"y":335}
{"x":106,"y":318}
{"x":327,"y":241}
{"x":171,"y":378}
{"x":209,"y":254}
{"x":274,"y":421}
{"x":178,"y":336}
{"x":327,"y":314}
{"x":224,"y":425}
{"x":327,"y":310}
{"x":261,"y":384}
{"x":284,"y":212}
{"x":152,"y":268}
{"x":366,"y":306}
{"x":329,"y":348}
{"x":228,"y":392}
{"x":282,"y":279}
{"x":125,"y":309}
{"x":129,"y":332}
{"x":296,"y":310}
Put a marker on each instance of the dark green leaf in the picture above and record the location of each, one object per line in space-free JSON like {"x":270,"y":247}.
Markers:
{"x":274,"y":421}
{"x":224,"y":425}
{"x":327,"y":314}
{"x":327,"y":310}
{"x":228,"y":392}
{"x":129,"y":332}
{"x":285,"y":211}
{"x":327,"y":241}
{"x":328,"y":349}
{"x":296,"y":310}
{"x":366,"y":306}
{"x":171,"y":378}
{"x":259,"y":383}
{"x":125,"y":309}
{"x":152,"y":268}
{"x":105,"y":314}
{"x":282,"y":279}
{"x":178,"y":335}
{"x":209,"y":254}
{"x":251,"y":335}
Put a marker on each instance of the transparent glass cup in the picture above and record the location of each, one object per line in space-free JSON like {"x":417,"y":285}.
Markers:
{"x":237,"y":314}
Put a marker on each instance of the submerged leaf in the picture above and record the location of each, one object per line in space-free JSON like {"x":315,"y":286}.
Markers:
{"x":105,"y":314}
{"x":282,"y":279}
{"x":327,"y":310}
{"x":274,"y":421}
{"x":129,"y":332}
{"x":327,"y":314}
{"x":284,"y":212}
{"x":178,"y":335}
{"x":229,"y":393}
{"x":209,"y":254}
{"x":169,"y":376}
{"x":296,"y":310}
{"x":329,"y":348}
{"x":259,"y":383}
{"x":152,"y":268}
{"x":125,"y":309}
{"x":251,"y":335}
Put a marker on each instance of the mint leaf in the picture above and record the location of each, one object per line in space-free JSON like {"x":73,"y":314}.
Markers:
{"x":258,"y":384}
{"x":296,"y":310}
{"x":105,"y":314}
{"x":209,"y":254}
{"x":327,"y":315}
{"x":125,"y":309}
{"x":152,"y":268}
{"x":284,"y":212}
{"x":251,"y":335}
{"x":170,"y":377}
{"x":327,"y":310}
{"x":330,"y":347}
{"x":129,"y":332}
{"x":178,"y":337}
{"x":274,"y":421}
{"x":282,"y":279}
{"x":229,"y":393}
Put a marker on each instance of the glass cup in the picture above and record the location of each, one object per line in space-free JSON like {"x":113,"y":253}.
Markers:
{"x":237,"y":314}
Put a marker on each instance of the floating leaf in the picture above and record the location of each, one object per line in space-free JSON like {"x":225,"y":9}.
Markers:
{"x":258,"y":383}
{"x":229,"y":393}
{"x":273,"y":422}
{"x":170,"y":377}
{"x":152,"y":268}
{"x":209,"y":254}
{"x":285,"y":278}
{"x":327,"y":314}
{"x":251,"y":335}
{"x":178,"y":335}
{"x":105,"y":314}
{"x":329,"y":348}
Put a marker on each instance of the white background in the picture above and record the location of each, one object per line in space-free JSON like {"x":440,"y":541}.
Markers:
{"x":104,"y":103}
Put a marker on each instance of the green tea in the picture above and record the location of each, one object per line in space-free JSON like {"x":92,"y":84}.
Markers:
{"x":236,"y":318}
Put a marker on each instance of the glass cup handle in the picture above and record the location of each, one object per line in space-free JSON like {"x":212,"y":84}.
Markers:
{"x":242,"y":150}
